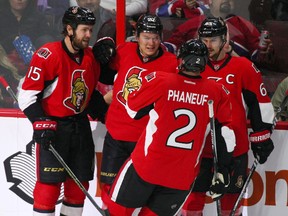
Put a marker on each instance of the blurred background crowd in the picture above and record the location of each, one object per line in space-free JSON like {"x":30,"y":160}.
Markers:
{"x":25,"y":25}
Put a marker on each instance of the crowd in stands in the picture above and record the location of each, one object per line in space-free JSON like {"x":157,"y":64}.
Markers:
{"x":26,"y":25}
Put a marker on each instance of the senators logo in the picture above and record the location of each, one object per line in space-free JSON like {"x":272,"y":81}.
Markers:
{"x":133,"y":82}
{"x":79,"y":93}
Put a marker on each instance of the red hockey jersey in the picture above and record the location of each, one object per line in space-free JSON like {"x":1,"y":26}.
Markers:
{"x":247,"y":93}
{"x":64,"y":85}
{"x":168,"y":151}
{"x":129,"y":66}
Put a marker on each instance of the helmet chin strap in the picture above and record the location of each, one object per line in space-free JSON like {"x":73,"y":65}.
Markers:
{"x":221,"y":47}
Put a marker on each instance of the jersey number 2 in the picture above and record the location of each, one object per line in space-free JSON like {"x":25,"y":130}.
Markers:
{"x":172,"y":139}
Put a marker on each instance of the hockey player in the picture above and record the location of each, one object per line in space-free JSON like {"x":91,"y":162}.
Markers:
{"x":244,"y":36}
{"x":57,"y":93}
{"x":240,"y":76}
{"x":160,"y":173}
{"x":132,"y":59}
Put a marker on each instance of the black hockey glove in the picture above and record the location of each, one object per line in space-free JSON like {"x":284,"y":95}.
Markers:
{"x":261,"y":145}
{"x":220,"y":183}
{"x":97,"y":106}
{"x":104,"y":49}
{"x":44,"y":132}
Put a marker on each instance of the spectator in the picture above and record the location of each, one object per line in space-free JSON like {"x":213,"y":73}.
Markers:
{"x":278,"y":97}
{"x":259,"y":12}
{"x":162,"y":168}
{"x":9,"y":73}
{"x":55,"y":8}
{"x":244,"y":36}
{"x":132,"y":59}
{"x":133,"y":7}
{"x":56,"y":95}
{"x":279,"y":10}
{"x":249,"y":100}
{"x":154,"y":4}
{"x":181,"y":9}
{"x":23,"y":29}
{"x":53,"y":11}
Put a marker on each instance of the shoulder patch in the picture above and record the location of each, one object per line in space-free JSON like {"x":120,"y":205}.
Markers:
{"x":150,"y":76}
{"x":44,"y":53}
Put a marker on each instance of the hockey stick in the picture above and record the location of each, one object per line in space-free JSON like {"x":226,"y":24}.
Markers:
{"x":8,"y":88}
{"x":214,"y":148}
{"x":255,"y":163}
{"x":76,"y":180}
{"x":249,"y":177}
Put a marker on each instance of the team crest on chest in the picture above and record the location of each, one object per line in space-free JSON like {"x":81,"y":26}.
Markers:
{"x":79,"y":92}
{"x":133,"y":82}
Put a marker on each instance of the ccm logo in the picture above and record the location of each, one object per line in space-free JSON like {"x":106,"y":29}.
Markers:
{"x":44,"y":125}
{"x":53,"y":169}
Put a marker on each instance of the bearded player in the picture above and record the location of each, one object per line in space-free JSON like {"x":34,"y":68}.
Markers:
{"x":56,"y":95}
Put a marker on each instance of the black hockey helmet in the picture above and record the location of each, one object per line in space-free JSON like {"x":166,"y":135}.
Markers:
{"x":212,"y":27}
{"x":149,"y":23}
{"x":194,"y":54}
{"x":78,"y":15}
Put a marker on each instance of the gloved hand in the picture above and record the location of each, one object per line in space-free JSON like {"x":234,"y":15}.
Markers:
{"x":44,"y":132}
{"x":261,"y":145}
{"x":220,"y":183}
{"x":104,"y":49}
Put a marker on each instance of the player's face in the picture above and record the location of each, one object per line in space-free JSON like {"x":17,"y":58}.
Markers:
{"x":82,"y":36}
{"x":149,"y":43}
{"x":214,"y":45}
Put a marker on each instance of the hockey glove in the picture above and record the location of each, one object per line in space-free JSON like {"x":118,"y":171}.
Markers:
{"x":104,"y":49}
{"x":97,"y":106}
{"x":220,"y":183}
{"x":261,"y":145}
{"x":44,"y":132}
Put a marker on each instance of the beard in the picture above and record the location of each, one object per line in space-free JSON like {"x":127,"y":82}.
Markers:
{"x":79,"y":43}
